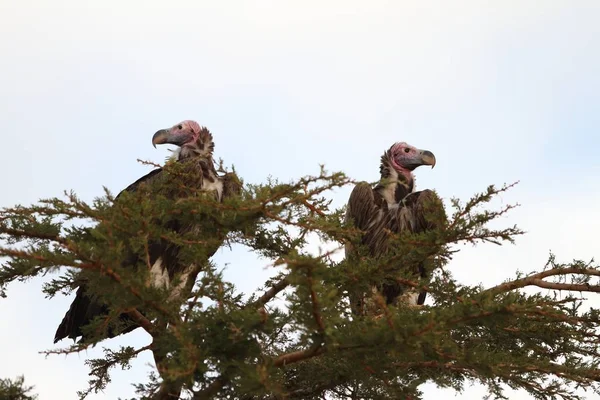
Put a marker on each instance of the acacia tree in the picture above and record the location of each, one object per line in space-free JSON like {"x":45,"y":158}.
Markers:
{"x":16,"y":389}
{"x":295,"y":338}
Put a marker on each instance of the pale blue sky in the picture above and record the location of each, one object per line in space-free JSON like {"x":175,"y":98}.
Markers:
{"x":499,"y":91}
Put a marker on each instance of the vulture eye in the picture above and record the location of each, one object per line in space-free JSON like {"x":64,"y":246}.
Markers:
{"x":406,"y":150}
{"x":179,"y":127}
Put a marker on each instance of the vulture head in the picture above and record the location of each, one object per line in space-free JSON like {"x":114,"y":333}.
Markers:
{"x":191,"y":138}
{"x":404,"y":158}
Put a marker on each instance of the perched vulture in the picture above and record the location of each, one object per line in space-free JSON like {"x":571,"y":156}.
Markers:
{"x":195,"y":149}
{"x":393,"y":205}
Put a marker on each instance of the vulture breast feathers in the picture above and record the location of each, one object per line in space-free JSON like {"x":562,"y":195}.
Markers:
{"x":195,"y":150}
{"x":392,"y":206}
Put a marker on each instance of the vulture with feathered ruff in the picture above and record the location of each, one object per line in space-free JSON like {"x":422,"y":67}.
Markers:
{"x":195,"y":149}
{"x":393,"y":205}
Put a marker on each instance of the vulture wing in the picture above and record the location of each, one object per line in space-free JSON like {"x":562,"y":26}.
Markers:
{"x":368,"y":212}
{"x":163,"y":254}
{"x":83,"y":308}
{"x":148,"y":178}
{"x":361,"y":206}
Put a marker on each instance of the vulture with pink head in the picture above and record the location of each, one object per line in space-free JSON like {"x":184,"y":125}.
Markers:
{"x":195,"y":149}
{"x":392,"y":206}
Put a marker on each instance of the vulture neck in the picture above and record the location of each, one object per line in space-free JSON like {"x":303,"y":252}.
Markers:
{"x":203,"y":146}
{"x":202,"y":149}
{"x":394,"y":185}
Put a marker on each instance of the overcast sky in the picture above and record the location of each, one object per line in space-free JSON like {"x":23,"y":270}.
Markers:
{"x":499,"y":91}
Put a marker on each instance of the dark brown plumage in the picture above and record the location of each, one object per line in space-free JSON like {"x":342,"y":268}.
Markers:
{"x":392,"y":205}
{"x":195,"y":152}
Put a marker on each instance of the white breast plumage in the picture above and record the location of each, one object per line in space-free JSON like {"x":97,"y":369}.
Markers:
{"x":216,"y":186}
{"x":159,"y":276}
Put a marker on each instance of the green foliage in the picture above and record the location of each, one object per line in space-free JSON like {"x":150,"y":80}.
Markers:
{"x":16,"y":389}
{"x":295,"y":338}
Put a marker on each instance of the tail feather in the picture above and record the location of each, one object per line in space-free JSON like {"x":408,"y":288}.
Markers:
{"x":81,"y":312}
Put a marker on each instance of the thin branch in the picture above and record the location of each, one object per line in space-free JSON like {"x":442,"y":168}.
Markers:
{"x":312,"y":208}
{"x":142,"y":321}
{"x":315,"y":303}
{"x":567,"y":286}
{"x":435,"y":364}
{"x":537,"y":280}
{"x":300,"y":355}
{"x":271,"y":293}
{"x":34,"y":235}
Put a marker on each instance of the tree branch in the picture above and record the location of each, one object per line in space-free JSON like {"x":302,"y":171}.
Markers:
{"x":271,"y":293}
{"x":537,"y":280}
{"x":315,"y":303}
{"x":300,"y":355}
{"x":142,"y":321}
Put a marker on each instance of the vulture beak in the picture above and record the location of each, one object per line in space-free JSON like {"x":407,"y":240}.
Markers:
{"x":161,"y":137}
{"x":165,"y":136}
{"x":427,"y":158}
{"x":423,"y":157}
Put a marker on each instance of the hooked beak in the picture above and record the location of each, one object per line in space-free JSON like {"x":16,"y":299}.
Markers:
{"x":425,"y":157}
{"x":165,"y":136}
{"x":160,"y":137}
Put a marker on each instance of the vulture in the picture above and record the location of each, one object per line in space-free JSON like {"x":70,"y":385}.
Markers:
{"x":195,"y":149}
{"x":392,"y":206}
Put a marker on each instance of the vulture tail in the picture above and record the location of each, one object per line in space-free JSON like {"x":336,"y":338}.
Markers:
{"x":82,"y":311}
